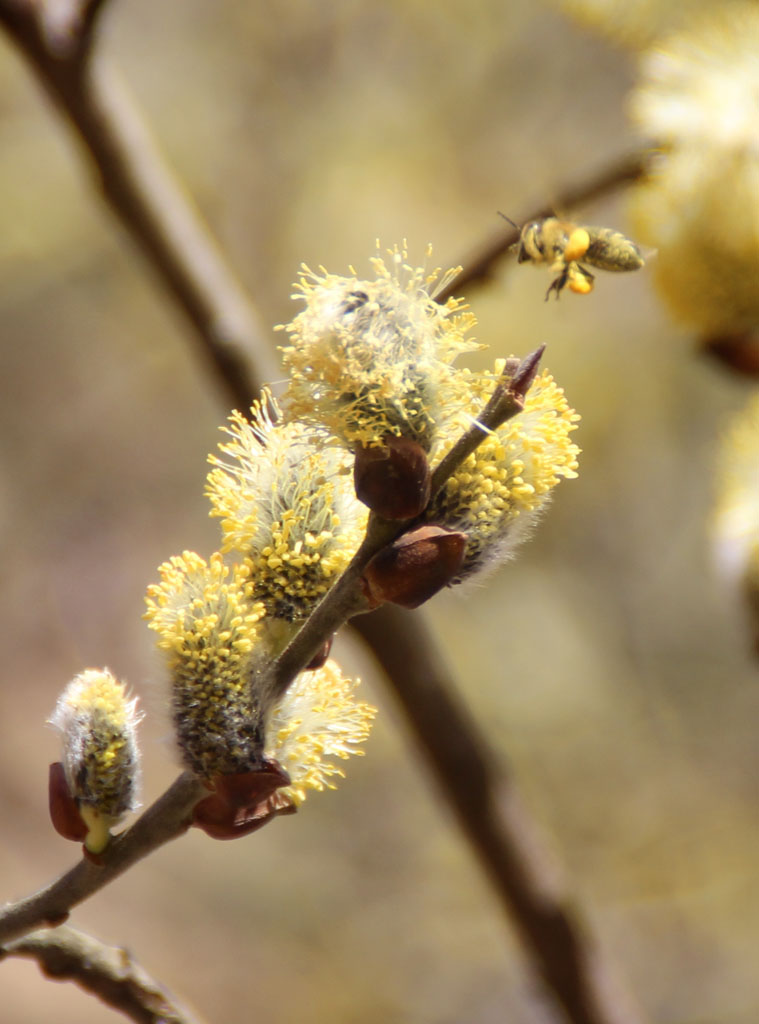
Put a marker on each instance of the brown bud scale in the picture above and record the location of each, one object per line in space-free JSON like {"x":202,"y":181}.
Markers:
{"x":243,"y":802}
{"x":64,"y":813}
{"x":414,"y":567}
{"x":393,"y":480}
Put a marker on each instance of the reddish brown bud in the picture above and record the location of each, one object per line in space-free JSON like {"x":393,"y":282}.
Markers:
{"x":53,"y":920}
{"x":393,"y":479}
{"x":414,"y":567}
{"x":242,"y":803}
{"x":64,"y":813}
{"x":321,"y":655}
{"x":94,"y":858}
{"x":526,"y":372}
{"x":739,"y":351}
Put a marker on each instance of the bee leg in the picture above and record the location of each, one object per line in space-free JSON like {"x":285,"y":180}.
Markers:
{"x":558,"y":283}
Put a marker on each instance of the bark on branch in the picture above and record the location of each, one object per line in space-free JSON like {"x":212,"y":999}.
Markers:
{"x":164,"y":820}
{"x":107,"y":972}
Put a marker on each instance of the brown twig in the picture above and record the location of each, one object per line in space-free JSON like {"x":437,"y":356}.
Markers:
{"x":478,"y":268}
{"x":106,"y":971}
{"x":506,"y":401}
{"x":164,"y":820}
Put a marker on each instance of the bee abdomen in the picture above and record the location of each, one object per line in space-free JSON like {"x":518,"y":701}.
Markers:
{"x":610,"y":250}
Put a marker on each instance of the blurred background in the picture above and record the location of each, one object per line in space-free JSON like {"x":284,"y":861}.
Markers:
{"x":606,"y":664}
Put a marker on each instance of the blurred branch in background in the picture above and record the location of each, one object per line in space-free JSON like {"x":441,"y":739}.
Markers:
{"x":489,"y":812}
{"x":144,"y":194}
{"x":107,"y":972}
{"x":478,"y":268}
{"x":151,"y":204}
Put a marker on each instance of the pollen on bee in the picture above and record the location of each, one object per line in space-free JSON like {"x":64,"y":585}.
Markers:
{"x":580,"y":284}
{"x":576,"y":247}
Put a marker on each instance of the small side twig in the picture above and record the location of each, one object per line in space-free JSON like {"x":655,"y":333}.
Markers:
{"x":506,"y":401}
{"x":108,"y":972}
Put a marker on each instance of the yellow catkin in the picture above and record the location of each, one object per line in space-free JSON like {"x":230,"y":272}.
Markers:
{"x":317,"y":721}
{"x":98,"y":723}
{"x":285,"y":497}
{"x":496,"y":493}
{"x":371,"y":357}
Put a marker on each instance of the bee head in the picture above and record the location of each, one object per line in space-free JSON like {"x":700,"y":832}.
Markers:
{"x":531,"y":246}
{"x":518,"y":244}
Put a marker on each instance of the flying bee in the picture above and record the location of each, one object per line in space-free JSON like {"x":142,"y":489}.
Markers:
{"x":563,"y":245}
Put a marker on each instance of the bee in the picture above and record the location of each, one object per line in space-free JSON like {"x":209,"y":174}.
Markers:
{"x":354,"y":300}
{"x":564,"y":245}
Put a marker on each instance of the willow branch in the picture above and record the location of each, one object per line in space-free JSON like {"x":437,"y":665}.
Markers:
{"x":107,"y":972}
{"x":163,"y":821}
{"x":147,"y":199}
{"x":478,"y":268}
{"x":149,"y":202}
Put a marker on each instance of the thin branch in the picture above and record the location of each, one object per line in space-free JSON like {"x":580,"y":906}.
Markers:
{"x":150,"y":203}
{"x":479,"y":267}
{"x":489,"y":812}
{"x":164,"y":820}
{"x":107,"y":972}
{"x":506,"y":401}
